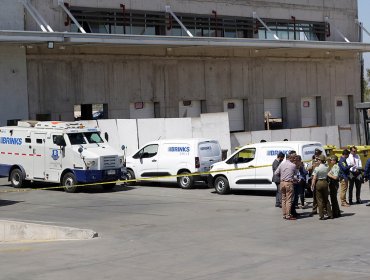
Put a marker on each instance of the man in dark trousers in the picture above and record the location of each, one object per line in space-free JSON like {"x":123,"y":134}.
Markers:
{"x":276,"y":179}
{"x":344,"y":171}
{"x":367,"y":174}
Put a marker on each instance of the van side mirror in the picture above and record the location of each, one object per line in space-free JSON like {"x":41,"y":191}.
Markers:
{"x":59,"y":141}
{"x":144,"y":155}
{"x":80,"y":150}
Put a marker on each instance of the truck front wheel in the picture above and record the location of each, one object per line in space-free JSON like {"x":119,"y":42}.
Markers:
{"x":69,"y":182}
{"x":16,"y":178}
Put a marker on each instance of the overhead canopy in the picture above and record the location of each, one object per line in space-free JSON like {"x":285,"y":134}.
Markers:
{"x":69,"y":38}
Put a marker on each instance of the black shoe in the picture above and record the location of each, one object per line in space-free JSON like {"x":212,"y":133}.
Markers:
{"x":358,"y":201}
{"x":322,"y":219}
{"x":350,"y":202}
{"x":278,"y":205}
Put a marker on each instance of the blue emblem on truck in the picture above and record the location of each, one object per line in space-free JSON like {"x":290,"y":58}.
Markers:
{"x":55,"y":154}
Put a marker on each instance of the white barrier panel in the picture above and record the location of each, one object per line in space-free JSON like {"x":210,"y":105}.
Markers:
{"x":333,"y":138}
{"x":301,"y":134}
{"x":109,"y":129}
{"x":128,"y":135}
{"x":178,"y":128}
{"x":196,"y":126}
{"x":150,"y":130}
{"x":240,"y":139}
{"x":347,"y":135}
{"x":216,"y":126}
{"x":281,"y":134}
{"x":257,"y":136}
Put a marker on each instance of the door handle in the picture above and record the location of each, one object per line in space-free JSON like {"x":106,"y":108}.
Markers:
{"x":154,"y":160}
{"x":251,"y":166}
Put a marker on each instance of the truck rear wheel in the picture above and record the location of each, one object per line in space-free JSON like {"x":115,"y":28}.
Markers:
{"x":222,"y":185}
{"x":69,"y":182}
{"x":16,"y":178}
{"x":185,"y":182}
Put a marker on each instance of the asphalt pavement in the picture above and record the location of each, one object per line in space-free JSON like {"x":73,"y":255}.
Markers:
{"x":163,"y":232}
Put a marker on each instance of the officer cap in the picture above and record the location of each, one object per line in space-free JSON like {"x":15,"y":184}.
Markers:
{"x":322,"y":157}
{"x":318,"y":151}
{"x":334,"y":157}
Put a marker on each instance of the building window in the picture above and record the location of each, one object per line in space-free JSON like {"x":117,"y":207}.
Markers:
{"x":161,"y":23}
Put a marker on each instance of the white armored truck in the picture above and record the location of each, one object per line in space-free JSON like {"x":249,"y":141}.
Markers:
{"x":67,"y":153}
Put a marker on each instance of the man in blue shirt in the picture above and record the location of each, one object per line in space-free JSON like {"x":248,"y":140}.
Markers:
{"x":344,"y":170}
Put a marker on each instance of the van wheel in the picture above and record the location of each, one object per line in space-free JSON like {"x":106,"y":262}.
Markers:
{"x":69,"y":182}
{"x":130,"y":176}
{"x":185,"y":182}
{"x":109,"y":187}
{"x":16,"y":178}
{"x":222,"y":185}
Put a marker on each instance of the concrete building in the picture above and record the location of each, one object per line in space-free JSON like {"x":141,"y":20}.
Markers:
{"x":276,"y":63}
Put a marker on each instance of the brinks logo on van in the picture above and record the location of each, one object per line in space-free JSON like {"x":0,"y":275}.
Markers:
{"x":10,"y":141}
{"x":205,"y":148}
{"x":179,"y":149}
{"x":276,"y":152}
{"x":309,"y":152}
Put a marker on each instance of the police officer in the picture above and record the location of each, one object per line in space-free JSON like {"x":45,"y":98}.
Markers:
{"x":344,"y":170}
{"x":320,"y":184}
{"x":333,"y":176}
{"x":311,"y":167}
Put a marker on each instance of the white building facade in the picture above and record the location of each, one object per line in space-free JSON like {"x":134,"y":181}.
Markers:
{"x":269,"y":64}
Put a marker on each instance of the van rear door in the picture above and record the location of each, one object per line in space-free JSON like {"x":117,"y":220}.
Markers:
{"x":209,"y":153}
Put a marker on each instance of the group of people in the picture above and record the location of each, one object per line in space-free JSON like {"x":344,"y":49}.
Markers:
{"x":290,"y":177}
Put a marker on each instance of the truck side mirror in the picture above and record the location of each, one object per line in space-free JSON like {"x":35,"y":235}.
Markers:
{"x":123,"y":147}
{"x":59,"y":140}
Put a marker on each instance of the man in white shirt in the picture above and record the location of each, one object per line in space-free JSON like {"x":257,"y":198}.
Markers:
{"x":355,"y":175}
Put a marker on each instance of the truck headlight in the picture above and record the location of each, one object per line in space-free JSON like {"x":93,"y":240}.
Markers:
{"x":90,"y":163}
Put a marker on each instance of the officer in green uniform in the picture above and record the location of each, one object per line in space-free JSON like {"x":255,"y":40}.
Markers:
{"x":320,"y":185}
{"x":333,"y":176}
{"x":310,"y":168}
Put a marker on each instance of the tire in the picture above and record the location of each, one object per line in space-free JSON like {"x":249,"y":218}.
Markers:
{"x":16,"y":178}
{"x":109,"y":187}
{"x":185,"y":182}
{"x":222,"y":185}
{"x":130,"y":176}
{"x":68,"y":182}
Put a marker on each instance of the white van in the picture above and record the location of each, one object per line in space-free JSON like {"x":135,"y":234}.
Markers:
{"x":59,"y":152}
{"x":172,"y":157}
{"x":261,"y":156}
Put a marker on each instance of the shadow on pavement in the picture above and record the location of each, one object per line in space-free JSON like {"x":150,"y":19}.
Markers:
{"x":8,"y":202}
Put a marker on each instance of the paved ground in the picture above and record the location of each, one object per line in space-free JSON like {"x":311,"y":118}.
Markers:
{"x":152,"y":232}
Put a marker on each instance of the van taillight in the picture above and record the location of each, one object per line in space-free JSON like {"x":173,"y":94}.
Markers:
{"x":197,"y":163}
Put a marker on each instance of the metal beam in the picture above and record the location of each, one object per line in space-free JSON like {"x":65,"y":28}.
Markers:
{"x":168,"y":10}
{"x":337,"y":30}
{"x":361,"y":26}
{"x":265,"y":25}
{"x":34,"y":16}
{"x":61,"y":4}
{"x":37,"y":14}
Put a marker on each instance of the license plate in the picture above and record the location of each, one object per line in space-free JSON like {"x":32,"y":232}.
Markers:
{"x":111,"y":172}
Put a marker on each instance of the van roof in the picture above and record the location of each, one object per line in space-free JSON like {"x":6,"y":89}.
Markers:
{"x":283,"y":143}
{"x":181,"y":140}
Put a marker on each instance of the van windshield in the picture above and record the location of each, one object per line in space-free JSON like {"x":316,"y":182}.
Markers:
{"x":84,"y":138}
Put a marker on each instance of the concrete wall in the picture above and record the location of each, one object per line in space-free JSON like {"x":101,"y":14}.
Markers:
{"x":13,"y":84}
{"x":11,"y":15}
{"x":341,"y":12}
{"x":57,"y":82}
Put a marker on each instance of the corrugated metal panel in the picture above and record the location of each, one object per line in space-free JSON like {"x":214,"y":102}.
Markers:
{"x":142,"y":110}
{"x":309,"y":111}
{"x":190,"y":108}
{"x":341,"y":110}
{"x":273,"y":105}
{"x":235,"y":109}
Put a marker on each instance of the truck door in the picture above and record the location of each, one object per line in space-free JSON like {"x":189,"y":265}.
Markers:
{"x":38,"y":154}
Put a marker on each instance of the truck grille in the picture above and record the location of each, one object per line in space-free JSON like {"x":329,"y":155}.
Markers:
{"x":109,"y":162}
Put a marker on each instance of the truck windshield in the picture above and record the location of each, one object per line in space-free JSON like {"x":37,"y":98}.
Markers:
{"x":80,"y":138}
{"x":93,"y":137}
